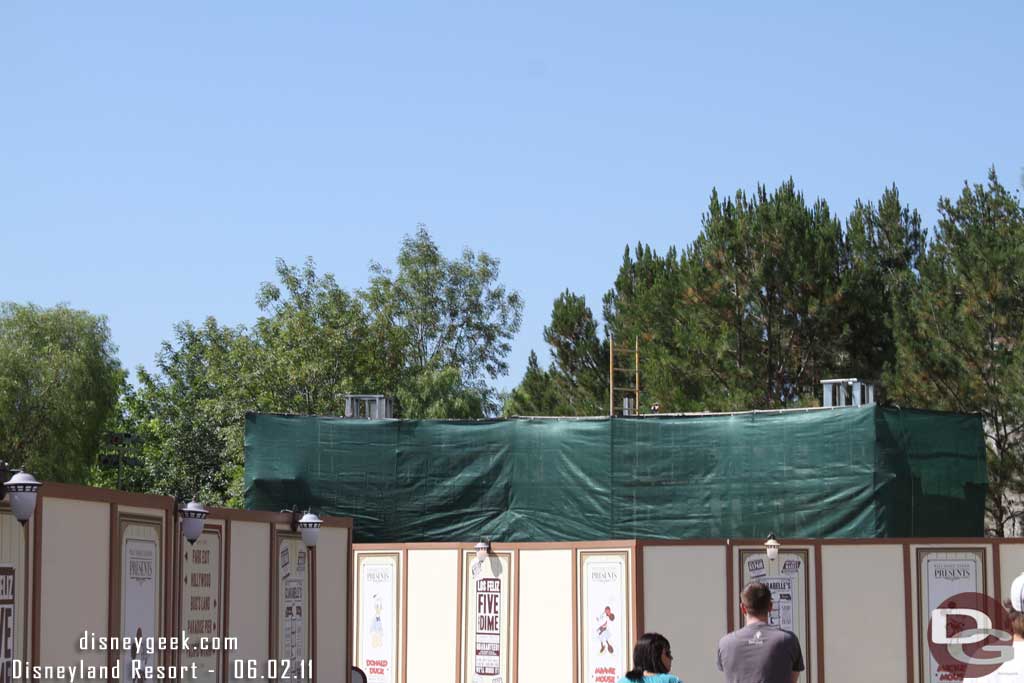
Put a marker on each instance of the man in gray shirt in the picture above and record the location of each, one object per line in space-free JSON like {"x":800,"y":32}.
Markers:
{"x":759,"y":652}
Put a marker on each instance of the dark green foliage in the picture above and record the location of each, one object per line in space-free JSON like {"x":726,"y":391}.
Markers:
{"x":959,"y":337}
{"x":59,"y":383}
{"x":537,"y":394}
{"x":884,"y":247}
{"x":774,"y":295}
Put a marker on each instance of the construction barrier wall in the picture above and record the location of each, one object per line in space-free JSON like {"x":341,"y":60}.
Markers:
{"x":431,"y":612}
{"x":96,"y":562}
{"x":857,"y":472}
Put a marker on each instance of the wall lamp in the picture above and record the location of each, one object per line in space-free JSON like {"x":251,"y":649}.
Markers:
{"x":483,"y":549}
{"x":771,"y":547}
{"x":308,"y":525}
{"x":20,"y":488}
{"x":193,"y":516}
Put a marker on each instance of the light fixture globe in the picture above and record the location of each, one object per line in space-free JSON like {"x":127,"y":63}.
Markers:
{"x":21,"y":491}
{"x":309,"y":527}
{"x":483,"y":549}
{"x":771,"y":547}
{"x":193,"y":516}
{"x":1017,"y":593}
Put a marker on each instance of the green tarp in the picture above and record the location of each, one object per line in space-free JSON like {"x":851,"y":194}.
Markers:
{"x":849,"y":472}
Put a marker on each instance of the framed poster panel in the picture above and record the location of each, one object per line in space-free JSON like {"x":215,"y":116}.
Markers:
{"x":604,"y":614}
{"x":14,"y":606}
{"x":487,"y":617}
{"x":141,"y":553}
{"x":941,"y":574}
{"x":788,"y":579}
{"x":8,"y":622}
{"x":294,"y":653}
{"x":202,"y":604}
{"x":378,"y":595}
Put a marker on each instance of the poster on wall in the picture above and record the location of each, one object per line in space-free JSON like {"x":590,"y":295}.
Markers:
{"x":140,"y":594}
{"x":943,"y":573}
{"x":378,"y":576}
{"x":786,"y":578}
{"x":486,"y":625}
{"x":604,"y":617}
{"x":293,"y":605}
{"x":201,"y":607}
{"x":7,"y":623}
{"x":784,"y":599}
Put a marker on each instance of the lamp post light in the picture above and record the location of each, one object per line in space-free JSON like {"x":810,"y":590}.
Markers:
{"x":309,"y":526}
{"x":771,"y":548}
{"x":193,"y":516}
{"x":21,"y":490}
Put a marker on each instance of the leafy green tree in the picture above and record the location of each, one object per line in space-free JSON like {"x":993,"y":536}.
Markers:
{"x":959,"y":339}
{"x":746,"y":316}
{"x":884,"y":247}
{"x":441,"y":394}
{"x":445,"y":313}
{"x":431,"y":337}
{"x":577,"y":381}
{"x":307,"y":350}
{"x":640,"y":305}
{"x":188,"y":418}
{"x":311,"y":346}
{"x":536,"y":394}
{"x":59,"y":384}
{"x":580,"y":358}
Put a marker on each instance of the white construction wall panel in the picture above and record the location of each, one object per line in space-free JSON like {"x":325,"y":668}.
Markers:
{"x":249,"y":601}
{"x":332,"y":656}
{"x":433,"y":616}
{"x":684,"y":600}
{"x":76,"y":575}
{"x":864,"y":614}
{"x":545,"y":615}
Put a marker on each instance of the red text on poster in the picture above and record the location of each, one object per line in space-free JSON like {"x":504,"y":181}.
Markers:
{"x":488,"y":628}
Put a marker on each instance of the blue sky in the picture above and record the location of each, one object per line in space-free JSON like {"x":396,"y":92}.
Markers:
{"x":154,"y":160}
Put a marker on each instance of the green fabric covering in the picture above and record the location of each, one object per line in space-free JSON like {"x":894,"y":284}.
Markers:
{"x":851,"y":472}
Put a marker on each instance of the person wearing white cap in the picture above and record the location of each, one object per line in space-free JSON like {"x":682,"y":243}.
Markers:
{"x":1013,"y":670}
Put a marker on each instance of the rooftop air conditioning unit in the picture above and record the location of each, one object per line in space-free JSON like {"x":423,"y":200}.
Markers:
{"x":847,"y":392}
{"x":368,"y":406}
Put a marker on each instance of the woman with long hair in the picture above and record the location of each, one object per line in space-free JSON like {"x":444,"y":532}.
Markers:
{"x":652,"y":661}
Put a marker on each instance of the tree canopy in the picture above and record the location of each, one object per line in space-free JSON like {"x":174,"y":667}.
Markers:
{"x":774,"y":294}
{"x":959,"y":337}
{"x":59,"y":383}
{"x":431,"y":335}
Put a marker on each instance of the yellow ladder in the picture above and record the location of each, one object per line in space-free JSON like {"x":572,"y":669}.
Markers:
{"x":634,"y":374}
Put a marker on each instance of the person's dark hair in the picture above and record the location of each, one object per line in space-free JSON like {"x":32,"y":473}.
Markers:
{"x":757,"y":599}
{"x":1016,"y":618}
{"x":647,"y":656}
